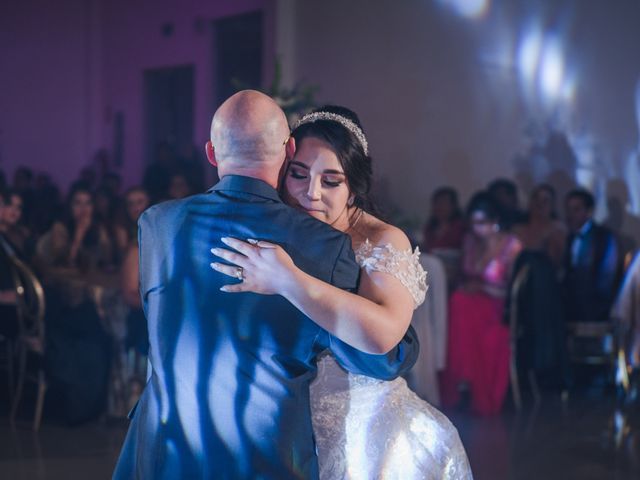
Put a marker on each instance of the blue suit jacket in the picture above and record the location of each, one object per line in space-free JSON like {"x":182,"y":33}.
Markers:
{"x":228,"y":393}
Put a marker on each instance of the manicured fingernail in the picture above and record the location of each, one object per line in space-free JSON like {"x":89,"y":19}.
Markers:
{"x":224,"y":240}
{"x":223,"y":288}
{"x":252,"y":241}
{"x":215,"y":251}
{"x":214,"y":266}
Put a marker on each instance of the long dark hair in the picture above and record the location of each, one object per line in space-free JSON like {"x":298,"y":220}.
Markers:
{"x":456,"y":213}
{"x":484,"y":202}
{"x":93,"y":234}
{"x":355,"y":162}
{"x":545,"y":187}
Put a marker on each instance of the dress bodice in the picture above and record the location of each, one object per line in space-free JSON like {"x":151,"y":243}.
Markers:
{"x":493,"y":267}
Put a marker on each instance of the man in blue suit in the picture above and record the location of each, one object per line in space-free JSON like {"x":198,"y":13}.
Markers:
{"x":228,"y":390}
{"x":592,"y":262}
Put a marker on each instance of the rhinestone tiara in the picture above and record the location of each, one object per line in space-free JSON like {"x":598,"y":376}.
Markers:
{"x":334,"y":117}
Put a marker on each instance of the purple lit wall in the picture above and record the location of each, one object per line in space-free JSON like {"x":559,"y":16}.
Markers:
{"x":44,"y":86}
{"x":68,"y":67}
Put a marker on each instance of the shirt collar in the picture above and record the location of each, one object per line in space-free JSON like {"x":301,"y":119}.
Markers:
{"x":246,"y":185}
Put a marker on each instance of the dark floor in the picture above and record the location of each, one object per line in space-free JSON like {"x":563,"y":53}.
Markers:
{"x":582,"y":439}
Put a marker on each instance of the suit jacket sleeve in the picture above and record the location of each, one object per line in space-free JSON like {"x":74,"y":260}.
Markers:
{"x":149,"y":264}
{"x":385,"y":367}
{"x":398,"y":361}
{"x":346,"y":273}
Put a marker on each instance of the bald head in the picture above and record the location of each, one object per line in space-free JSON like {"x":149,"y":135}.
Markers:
{"x":249,"y":127}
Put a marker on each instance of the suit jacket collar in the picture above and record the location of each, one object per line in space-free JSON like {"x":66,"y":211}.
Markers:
{"x":585,"y":229}
{"x":246,"y":185}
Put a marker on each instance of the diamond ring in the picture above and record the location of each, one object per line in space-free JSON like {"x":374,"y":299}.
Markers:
{"x":239,"y":273}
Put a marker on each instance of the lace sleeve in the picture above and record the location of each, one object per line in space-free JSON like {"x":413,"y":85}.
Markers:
{"x":402,"y":264}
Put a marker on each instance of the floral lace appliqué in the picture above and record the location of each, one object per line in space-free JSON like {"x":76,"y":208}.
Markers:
{"x":402,"y":264}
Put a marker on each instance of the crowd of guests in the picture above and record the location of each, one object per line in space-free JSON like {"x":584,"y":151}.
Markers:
{"x":575,"y":269}
{"x":83,"y":248}
{"x":92,"y":234}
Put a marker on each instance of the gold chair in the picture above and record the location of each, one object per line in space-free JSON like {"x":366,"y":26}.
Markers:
{"x":593,"y":343}
{"x":7,"y":344}
{"x":522,"y":275}
{"x":599,"y":343}
{"x":31,"y":310}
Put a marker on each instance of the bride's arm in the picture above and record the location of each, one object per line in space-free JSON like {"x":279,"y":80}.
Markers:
{"x":373,"y":321}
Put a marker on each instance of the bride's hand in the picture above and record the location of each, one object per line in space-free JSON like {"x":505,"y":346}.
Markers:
{"x":263,"y":267}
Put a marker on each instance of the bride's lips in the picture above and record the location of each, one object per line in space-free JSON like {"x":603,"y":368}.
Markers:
{"x":310,"y":209}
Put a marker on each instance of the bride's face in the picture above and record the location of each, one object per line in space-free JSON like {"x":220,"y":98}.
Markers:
{"x":316,"y":183}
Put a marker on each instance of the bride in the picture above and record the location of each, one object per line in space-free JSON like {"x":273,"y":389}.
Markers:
{"x":364,"y":428}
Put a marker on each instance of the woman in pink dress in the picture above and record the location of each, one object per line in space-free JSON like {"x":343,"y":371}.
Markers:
{"x":478,"y":340}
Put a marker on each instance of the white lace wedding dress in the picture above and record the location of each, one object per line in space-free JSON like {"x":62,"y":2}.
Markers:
{"x":372,"y":429}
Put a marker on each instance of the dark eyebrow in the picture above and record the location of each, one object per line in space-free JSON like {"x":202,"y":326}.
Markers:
{"x":333,"y":172}
{"x":299,"y":164}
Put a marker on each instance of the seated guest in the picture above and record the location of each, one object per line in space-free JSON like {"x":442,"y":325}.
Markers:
{"x":23,"y":184}
{"x":78,"y":240}
{"x":478,"y":340}
{"x":445,"y":228}
{"x":137,"y":201}
{"x":626,"y":310}
{"x":179,"y":186}
{"x":112,"y":181}
{"x":505,"y":193}
{"x":591,"y":262}
{"x":47,"y":197}
{"x":137,"y":337}
{"x":11,"y":226}
{"x":77,"y":351}
{"x":541,"y":332}
{"x":107,"y":212}
{"x":543,"y":232}
{"x":8,"y":314}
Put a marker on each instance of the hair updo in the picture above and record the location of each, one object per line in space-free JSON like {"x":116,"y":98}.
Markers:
{"x":349,"y":150}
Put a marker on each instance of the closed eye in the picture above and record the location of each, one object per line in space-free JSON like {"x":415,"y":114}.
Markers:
{"x":297,"y":174}
{"x":332,"y":184}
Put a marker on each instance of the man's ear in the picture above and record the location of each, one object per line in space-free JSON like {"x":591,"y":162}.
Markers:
{"x":290,"y":148}
{"x":211,"y":154}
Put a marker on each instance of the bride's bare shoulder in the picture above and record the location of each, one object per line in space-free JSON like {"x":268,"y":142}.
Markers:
{"x":380,"y":233}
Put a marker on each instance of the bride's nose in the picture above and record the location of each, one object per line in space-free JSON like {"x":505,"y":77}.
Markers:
{"x":313,"y":192}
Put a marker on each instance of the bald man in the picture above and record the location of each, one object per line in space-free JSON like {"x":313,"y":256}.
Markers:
{"x":228,"y":390}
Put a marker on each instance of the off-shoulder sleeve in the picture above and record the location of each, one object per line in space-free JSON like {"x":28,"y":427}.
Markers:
{"x":402,"y":264}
